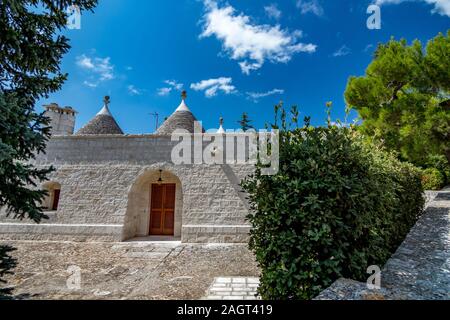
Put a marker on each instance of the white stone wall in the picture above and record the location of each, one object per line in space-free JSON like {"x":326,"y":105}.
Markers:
{"x":103,"y":191}
{"x":62,"y":123}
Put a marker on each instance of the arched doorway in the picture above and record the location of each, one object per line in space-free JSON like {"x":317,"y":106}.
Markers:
{"x":155,"y":205}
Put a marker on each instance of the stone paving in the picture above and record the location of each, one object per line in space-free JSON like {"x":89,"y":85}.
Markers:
{"x":130,"y":270}
{"x":233,"y":288}
{"x":419,"y":270}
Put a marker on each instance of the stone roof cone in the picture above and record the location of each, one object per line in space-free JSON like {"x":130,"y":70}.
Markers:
{"x":182,"y":118}
{"x":103,"y":122}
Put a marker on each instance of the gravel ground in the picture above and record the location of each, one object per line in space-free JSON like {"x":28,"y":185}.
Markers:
{"x":131,"y":270}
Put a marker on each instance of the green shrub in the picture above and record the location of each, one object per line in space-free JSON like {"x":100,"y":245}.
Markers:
{"x":337,"y":206}
{"x":441,"y":163}
{"x":432,"y":179}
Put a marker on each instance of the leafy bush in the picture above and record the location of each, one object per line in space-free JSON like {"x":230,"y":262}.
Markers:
{"x":432,"y":179}
{"x":441,"y":163}
{"x":337,"y":206}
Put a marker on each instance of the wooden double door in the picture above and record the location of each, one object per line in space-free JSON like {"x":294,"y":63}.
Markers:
{"x":162,"y":209}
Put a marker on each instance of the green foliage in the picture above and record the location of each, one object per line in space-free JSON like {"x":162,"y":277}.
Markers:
{"x":404,"y":98}
{"x":432,"y":179}
{"x":31,"y":50}
{"x":245,"y":122}
{"x":440,"y":163}
{"x":7,"y":263}
{"x":337,"y":206}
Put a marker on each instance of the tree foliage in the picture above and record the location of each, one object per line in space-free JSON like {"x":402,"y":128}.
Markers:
{"x":31,"y":49}
{"x":432,"y":179}
{"x":7,"y":263}
{"x":338,"y":205}
{"x":404,"y":98}
{"x":245,"y":122}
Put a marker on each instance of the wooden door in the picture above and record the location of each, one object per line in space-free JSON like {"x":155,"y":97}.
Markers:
{"x":56,"y":194}
{"x":162,"y":209}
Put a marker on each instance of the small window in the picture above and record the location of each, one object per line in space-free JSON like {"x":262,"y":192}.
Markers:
{"x":51,"y":201}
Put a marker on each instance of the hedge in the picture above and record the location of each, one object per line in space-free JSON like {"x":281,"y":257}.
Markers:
{"x":337,"y":206}
{"x":432,"y":179}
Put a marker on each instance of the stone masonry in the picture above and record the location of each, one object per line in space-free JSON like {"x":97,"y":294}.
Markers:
{"x":105,"y":183}
{"x":419,"y":270}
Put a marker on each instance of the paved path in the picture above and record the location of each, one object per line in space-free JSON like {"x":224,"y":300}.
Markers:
{"x":420,"y":269}
{"x":130,"y":270}
{"x":233,"y":288}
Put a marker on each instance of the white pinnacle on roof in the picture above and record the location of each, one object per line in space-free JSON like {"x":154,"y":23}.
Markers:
{"x":105,"y":110}
{"x":221,"y":129}
{"x":102,"y":123}
{"x":183,"y":107}
{"x":182,"y":119}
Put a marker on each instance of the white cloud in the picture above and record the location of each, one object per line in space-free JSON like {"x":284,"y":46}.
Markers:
{"x":368,"y":47}
{"x":171,"y":85}
{"x":258,"y":95}
{"x":342,"y":51}
{"x":441,"y":7}
{"x":90,"y":84}
{"x":310,"y":6}
{"x":212,"y":86}
{"x":175,"y":85}
{"x":100,"y":66}
{"x":85,"y":62}
{"x":249,"y":43}
{"x":99,"y":69}
{"x":272,"y":11}
{"x":164,"y":91}
{"x":133,"y":91}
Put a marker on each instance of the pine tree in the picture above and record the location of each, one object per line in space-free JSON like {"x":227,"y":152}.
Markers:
{"x":245,"y":122}
{"x":30,"y":53}
{"x":31,"y":50}
{"x":403,"y":99}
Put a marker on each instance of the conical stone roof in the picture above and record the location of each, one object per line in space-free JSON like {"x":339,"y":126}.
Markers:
{"x":103,"y":123}
{"x":181,"y":119}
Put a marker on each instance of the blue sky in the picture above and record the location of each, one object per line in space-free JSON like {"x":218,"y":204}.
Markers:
{"x":231,"y":57}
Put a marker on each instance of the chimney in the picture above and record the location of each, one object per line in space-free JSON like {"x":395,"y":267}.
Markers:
{"x":62,"y":120}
